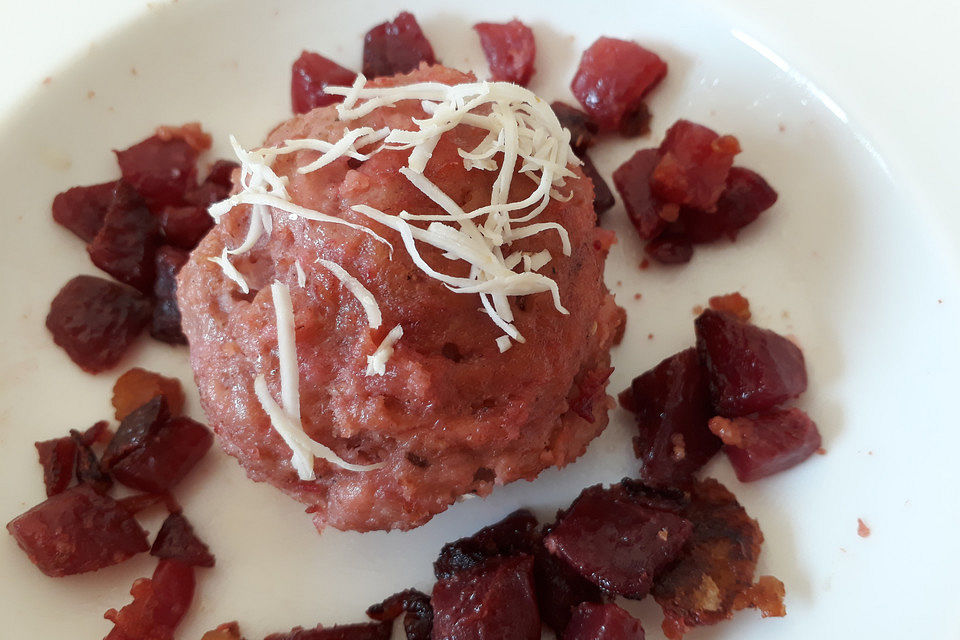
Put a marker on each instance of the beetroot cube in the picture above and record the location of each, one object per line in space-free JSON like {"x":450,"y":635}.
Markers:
{"x":160,"y":170}
{"x":177,"y":540}
{"x":393,"y":47}
{"x":57,"y":459}
{"x":560,"y":588}
{"x":581,"y":128}
{"x":159,"y":603}
{"x":602,"y":197}
{"x":515,"y":534}
{"x":136,"y":429}
{"x":693,"y":167}
{"x":364,"y":631}
{"x":494,"y":601}
{"x":165,"y":457}
{"x":165,"y":325}
{"x":510,"y":50}
{"x":616,"y":541}
{"x":77,"y":531}
{"x":311,"y":75}
{"x":612,"y":79}
{"x":603,"y":622}
{"x":767,"y":444}
{"x":221,"y":173}
{"x":632,"y":180}
{"x":82,"y":209}
{"x":89,"y":471}
{"x":750,"y":369}
{"x":746,"y":196}
{"x":184,"y":227}
{"x":128,"y":240}
{"x":669,"y":248}
{"x":672,"y":403}
{"x":95,"y":321}
{"x":416,"y":609}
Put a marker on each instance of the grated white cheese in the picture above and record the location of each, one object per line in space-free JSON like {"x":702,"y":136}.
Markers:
{"x":360,"y":292}
{"x":377,"y":363}
{"x":301,"y":276}
{"x":503,"y":343}
{"x":230,"y":271}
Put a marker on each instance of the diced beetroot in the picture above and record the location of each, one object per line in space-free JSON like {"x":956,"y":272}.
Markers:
{"x":416,"y":609}
{"x":602,"y":197}
{"x":636,"y":123}
{"x":393,"y":47}
{"x":141,"y":501}
{"x":165,"y":325}
{"x":77,"y":531}
{"x":632,"y":180}
{"x":57,"y":458}
{"x":89,"y":471}
{"x":494,"y":601}
{"x":766,"y":594}
{"x":192,"y":133}
{"x":669,"y":249}
{"x":616,"y":541}
{"x":95,"y":321}
{"x":160,"y":170}
{"x":733,"y":303}
{"x":82,"y":209}
{"x":510,"y":50}
{"x":693,"y":167}
{"x":221,"y":174}
{"x":225,"y":631}
{"x":363,"y":631}
{"x":746,"y":196}
{"x":612,"y":79}
{"x":750,"y":369}
{"x":127,"y":242}
{"x":560,"y":589}
{"x":136,"y":429}
{"x":137,"y":386}
{"x":717,"y":565}
{"x":603,"y":622}
{"x":515,"y":534}
{"x":578,"y":123}
{"x":672,"y":403}
{"x":311,"y":74}
{"x":99,"y":433}
{"x":177,"y":540}
{"x":165,"y":457}
{"x":159,"y":603}
{"x":185,"y":226}
{"x":767,"y":444}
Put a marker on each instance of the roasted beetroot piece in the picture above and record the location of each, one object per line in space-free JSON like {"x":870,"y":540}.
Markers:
{"x":765,"y":595}
{"x":76,"y":531}
{"x":632,"y":180}
{"x":750,"y":369}
{"x":136,"y":429}
{"x":57,"y":458}
{"x":176,"y":540}
{"x":221,"y":173}
{"x":612,"y":79}
{"x":159,"y":603}
{"x":733,"y":303}
{"x":311,"y":75}
{"x":363,"y":631}
{"x":510,"y":50}
{"x":416,"y":609}
{"x":95,"y":321}
{"x":184,"y":227}
{"x":669,"y":249}
{"x":603,"y":622}
{"x":89,"y":471}
{"x":393,"y":47}
{"x":616,"y":541}
{"x":160,"y":170}
{"x":581,"y":127}
{"x":127,"y":242}
{"x":515,"y":534}
{"x":717,"y":565}
{"x":82,"y":209}
{"x":225,"y":631}
{"x":767,"y":444}
{"x":560,"y":589}
{"x":693,"y":167}
{"x":746,"y":196}
{"x":672,"y":403}
{"x":494,"y":601}
{"x":165,"y":324}
{"x":636,"y":123}
{"x":141,"y":501}
{"x":602,"y":197}
{"x":137,"y":386}
{"x":165,"y":457}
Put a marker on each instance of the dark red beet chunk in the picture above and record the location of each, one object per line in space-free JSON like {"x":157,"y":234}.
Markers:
{"x":185,"y":226}
{"x":581,"y":128}
{"x":159,"y":603}
{"x":672,"y":403}
{"x":560,"y":589}
{"x":176,"y":540}
{"x":416,"y":609}
{"x":311,"y":75}
{"x":603,"y":622}
{"x":127,"y":242}
{"x":510,"y":50}
{"x":88,"y":467}
{"x":221,"y":173}
{"x":616,"y":541}
{"x":693,"y":167}
{"x":82,"y":209}
{"x":165,"y":325}
{"x":77,"y":531}
{"x":602,"y":197}
{"x":632,"y":180}
{"x":57,"y":458}
{"x":612,"y":79}
{"x":493,"y":601}
{"x":750,"y":369}
{"x":669,"y":249}
{"x":515,"y":534}
{"x":165,"y":456}
{"x":636,"y":123}
{"x":160,"y":170}
{"x":364,"y":631}
{"x":136,"y":428}
{"x":746,"y":196}
{"x":767,"y":444}
{"x":393,"y":47}
{"x":95,"y":321}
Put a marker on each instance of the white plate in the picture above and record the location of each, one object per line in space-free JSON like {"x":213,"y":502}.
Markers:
{"x":847,"y":261}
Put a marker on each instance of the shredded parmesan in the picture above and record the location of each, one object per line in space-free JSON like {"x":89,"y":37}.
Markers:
{"x":377,"y":363}
{"x":230,"y":271}
{"x":360,"y":292}
{"x":503,"y":343}
{"x":301,"y":276}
